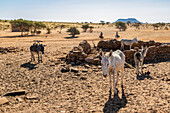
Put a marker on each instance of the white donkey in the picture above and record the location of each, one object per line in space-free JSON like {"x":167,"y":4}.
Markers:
{"x":111,"y":63}
{"x":139,"y":58}
{"x":128,"y":42}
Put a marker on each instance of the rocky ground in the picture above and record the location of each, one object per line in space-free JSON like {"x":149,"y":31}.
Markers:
{"x":54,"y":86}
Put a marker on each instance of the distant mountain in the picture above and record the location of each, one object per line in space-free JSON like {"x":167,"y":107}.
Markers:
{"x":132,"y":20}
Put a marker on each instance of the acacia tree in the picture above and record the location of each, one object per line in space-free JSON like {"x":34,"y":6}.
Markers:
{"x":102,"y":22}
{"x":73,"y":31}
{"x":128,"y":23}
{"x":137,"y":25}
{"x":155,"y":26}
{"x":61,"y":27}
{"x":22,"y":24}
{"x":121,"y":26}
{"x":91,"y":29}
{"x":161,"y":25}
{"x":38,"y":25}
{"x":85,"y":27}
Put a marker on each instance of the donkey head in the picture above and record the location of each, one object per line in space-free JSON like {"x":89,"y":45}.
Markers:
{"x":105,"y":62}
{"x":42,"y":48}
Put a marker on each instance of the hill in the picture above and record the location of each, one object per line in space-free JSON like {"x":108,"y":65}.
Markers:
{"x":132,"y":20}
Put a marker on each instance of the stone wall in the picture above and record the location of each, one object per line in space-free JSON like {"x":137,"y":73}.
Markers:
{"x":157,"y":52}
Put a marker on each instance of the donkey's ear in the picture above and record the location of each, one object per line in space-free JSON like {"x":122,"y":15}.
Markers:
{"x":110,"y":54}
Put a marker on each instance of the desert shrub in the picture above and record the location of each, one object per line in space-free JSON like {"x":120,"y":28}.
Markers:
{"x":137,"y":25}
{"x":91,"y":29}
{"x":121,"y":26}
{"x":48,"y":30}
{"x":38,"y":32}
{"x":85,"y":27}
{"x":73,"y":31}
{"x":155,"y":26}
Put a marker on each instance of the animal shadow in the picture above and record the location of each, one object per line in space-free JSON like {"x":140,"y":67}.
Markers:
{"x":29,"y":66}
{"x":70,"y":37}
{"x":144,"y":75}
{"x":113,"y":105}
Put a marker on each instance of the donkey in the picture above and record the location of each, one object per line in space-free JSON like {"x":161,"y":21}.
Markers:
{"x":112,"y":62}
{"x":128,"y":42}
{"x":139,"y":58}
{"x":37,"y":48}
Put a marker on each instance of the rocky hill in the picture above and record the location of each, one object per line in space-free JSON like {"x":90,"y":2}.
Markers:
{"x":132,"y":20}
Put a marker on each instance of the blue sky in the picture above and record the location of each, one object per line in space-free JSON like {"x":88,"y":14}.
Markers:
{"x":86,"y":10}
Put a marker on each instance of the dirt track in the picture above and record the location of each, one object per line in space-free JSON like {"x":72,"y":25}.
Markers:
{"x":55,"y":91}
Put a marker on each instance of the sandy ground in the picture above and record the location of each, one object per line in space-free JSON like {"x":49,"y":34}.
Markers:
{"x":55,"y":91}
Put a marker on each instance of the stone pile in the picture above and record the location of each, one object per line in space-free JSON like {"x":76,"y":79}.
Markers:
{"x":78,"y":54}
{"x":157,"y":52}
{"x":8,"y":49}
{"x":114,"y":44}
{"x":154,"y":54}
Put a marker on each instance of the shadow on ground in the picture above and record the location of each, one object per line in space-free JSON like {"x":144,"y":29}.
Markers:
{"x":113,"y":105}
{"x":70,"y":37}
{"x":16,"y":36}
{"x":143,"y":76}
{"x":29,"y":66}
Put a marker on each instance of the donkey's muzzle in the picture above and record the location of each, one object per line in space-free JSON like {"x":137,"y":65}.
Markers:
{"x":105,"y":76}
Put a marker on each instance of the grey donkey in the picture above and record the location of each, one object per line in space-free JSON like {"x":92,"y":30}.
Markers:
{"x":139,"y":58}
{"x":38,"y":49}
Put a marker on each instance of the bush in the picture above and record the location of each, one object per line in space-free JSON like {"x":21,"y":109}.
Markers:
{"x":38,"y":32}
{"x":48,"y":30}
{"x":121,"y":26}
{"x":85,"y":27}
{"x":73,"y":31}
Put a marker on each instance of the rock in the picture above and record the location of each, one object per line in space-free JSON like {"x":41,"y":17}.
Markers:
{"x":19,"y":99}
{"x":84,"y":70}
{"x":75,"y":70}
{"x":83,"y":78}
{"x":65,"y":69}
{"x":3,"y":100}
{"x":15,"y":93}
{"x":87,"y":66}
{"x":91,"y":60}
{"x":99,"y":67}
{"x":73,"y":63}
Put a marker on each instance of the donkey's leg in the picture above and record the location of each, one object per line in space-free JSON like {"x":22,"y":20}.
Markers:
{"x":110,"y":81}
{"x":122,"y":46}
{"x":115,"y":91}
{"x":38,"y":57}
{"x":41,"y":57}
{"x":32,"y":56}
{"x":122,"y":75}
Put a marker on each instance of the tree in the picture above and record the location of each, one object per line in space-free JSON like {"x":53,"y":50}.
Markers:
{"x":85,"y":27}
{"x":22,"y":24}
{"x":121,"y":26}
{"x":102,"y":22}
{"x":61,"y":27}
{"x":107,"y":23}
{"x":48,"y":30}
{"x":91,"y":29}
{"x":156,"y":26}
{"x":73,"y":31}
{"x":38,"y":25}
{"x":161,"y":25}
{"x":136,"y":25}
{"x":128,"y":23}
